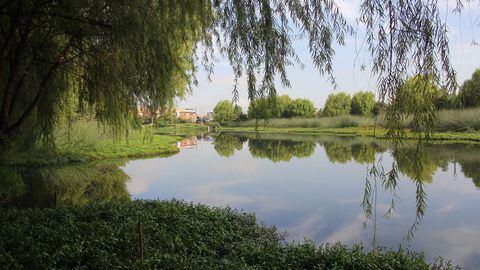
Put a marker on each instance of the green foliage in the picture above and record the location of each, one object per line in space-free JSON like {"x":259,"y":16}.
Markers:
{"x":337,"y":104}
{"x":224,"y":112}
{"x":62,"y":58}
{"x":469,"y":94}
{"x":362,"y":103}
{"x":262,"y":108}
{"x":282,"y":104}
{"x":11,"y":184}
{"x":416,"y":103}
{"x":176,"y":235}
{"x":300,"y":108}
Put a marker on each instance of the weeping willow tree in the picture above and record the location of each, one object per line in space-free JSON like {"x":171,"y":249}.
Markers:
{"x":117,"y":53}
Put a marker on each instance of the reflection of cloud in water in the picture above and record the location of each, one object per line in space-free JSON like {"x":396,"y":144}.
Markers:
{"x":244,"y":167}
{"x":448,"y":207}
{"x":350,"y":233}
{"x":140,"y":174}
{"x":214,"y":194}
{"x":357,"y":200}
{"x":461,"y":243}
{"x":461,"y":186}
{"x":308,"y":227}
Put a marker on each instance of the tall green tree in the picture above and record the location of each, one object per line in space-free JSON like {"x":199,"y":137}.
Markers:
{"x":337,"y":104}
{"x":417,"y":100}
{"x":125,"y":52}
{"x":282,"y":104}
{"x":224,"y":112}
{"x":300,"y":107}
{"x":469,"y":94}
{"x":362,"y":103}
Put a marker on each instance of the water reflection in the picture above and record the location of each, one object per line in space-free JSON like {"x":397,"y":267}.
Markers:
{"x":77,"y":184}
{"x":417,"y":161}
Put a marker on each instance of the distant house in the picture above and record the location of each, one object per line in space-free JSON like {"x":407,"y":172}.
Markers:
{"x":206,"y":117}
{"x":186,"y":114}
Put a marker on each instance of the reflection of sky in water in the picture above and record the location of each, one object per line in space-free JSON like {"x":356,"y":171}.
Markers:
{"x":314,"y":198}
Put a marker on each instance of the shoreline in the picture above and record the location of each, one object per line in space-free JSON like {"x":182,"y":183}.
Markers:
{"x":454,"y":137}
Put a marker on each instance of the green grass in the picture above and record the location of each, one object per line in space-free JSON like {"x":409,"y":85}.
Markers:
{"x":176,"y":235}
{"x":87,"y":141}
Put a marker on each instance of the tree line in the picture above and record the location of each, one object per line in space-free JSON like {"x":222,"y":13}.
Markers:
{"x":417,"y":93}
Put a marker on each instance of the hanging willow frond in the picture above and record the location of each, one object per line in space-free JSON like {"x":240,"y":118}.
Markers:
{"x":406,"y":39}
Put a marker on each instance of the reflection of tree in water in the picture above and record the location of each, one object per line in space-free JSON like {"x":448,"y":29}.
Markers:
{"x":226,"y":144}
{"x":417,"y":163}
{"x":280,"y":150}
{"x":337,"y":153}
{"x":471,"y":169}
{"x":67,"y":185}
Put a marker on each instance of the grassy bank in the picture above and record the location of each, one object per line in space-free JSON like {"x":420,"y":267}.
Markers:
{"x":446,"y":120}
{"x":87,"y":141}
{"x":176,"y":235}
{"x":380,"y":133}
{"x":453,"y":125}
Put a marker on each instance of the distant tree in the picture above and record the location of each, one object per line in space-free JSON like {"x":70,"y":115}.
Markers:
{"x":224,"y":112}
{"x":300,"y":107}
{"x":362,"y":103}
{"x":337,"y":104}
{"x":239,"y":115}
{"x":320,"y":112}
{"x":417,"y":99}
{"x":378,"y":108}
{"x":469,"y":95}
{"x":262,"y":108}
{"x":282,"y":102}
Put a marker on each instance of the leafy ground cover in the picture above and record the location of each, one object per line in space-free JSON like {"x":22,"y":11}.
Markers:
{"x":172,"y":235}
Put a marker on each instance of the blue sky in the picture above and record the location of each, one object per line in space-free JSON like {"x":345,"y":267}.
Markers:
{"x":307,"y":83}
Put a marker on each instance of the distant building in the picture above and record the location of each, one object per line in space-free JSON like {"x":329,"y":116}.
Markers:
{"x":205,"y":118}
{"x":186,"y":114}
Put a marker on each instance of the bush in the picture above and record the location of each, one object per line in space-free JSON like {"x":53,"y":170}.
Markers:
{"x":176,"y":235}
{"x":362,"y":103}
{"x":337,"y":104}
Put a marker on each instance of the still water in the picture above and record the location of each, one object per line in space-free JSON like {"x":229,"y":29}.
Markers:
{"x":323,"y":188}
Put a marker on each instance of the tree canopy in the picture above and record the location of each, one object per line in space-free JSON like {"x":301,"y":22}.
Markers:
{"x":224,"y":112}
{"x":469,"y":94}
{"x":112,"y":55}
{"x":337,"y":104}
{"x":362,"y":103}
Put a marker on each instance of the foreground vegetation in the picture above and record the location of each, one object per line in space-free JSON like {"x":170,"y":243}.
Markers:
{"x":173,"y":235}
